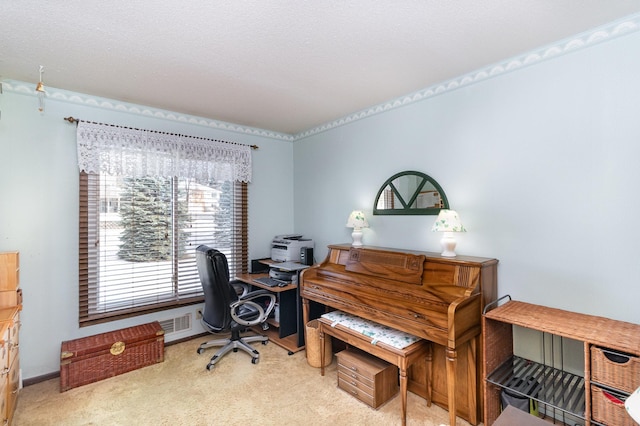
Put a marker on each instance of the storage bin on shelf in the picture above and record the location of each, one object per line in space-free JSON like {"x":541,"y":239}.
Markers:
{"x":607,"y":407}
{"x":615,"y":369}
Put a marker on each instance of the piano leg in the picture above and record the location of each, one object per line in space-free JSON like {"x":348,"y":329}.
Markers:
{"x":472,"y":381}
{"x":452,"y":359}
{"x":322,"y":343}
{"x":403,"y":391}
{"x":429,"y":378}
{"x":305,"y":313}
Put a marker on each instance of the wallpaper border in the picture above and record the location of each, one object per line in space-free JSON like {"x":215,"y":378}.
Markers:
{"x":115,"y":105}
{"x":607,"y":32}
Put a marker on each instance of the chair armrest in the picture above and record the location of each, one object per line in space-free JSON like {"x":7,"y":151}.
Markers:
{"x":241,"y":288}
{"x":257,"y":293}
{"x":249,"y":300}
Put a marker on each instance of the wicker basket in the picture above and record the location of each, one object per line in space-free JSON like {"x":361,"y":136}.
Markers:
{"x":607,"y":411}
{"x":614,"y":369}
{"x":313,"y":346}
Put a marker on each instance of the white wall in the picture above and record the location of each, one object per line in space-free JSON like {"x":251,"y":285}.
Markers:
{"x":541,"y":163}
{"x":39,"y":211}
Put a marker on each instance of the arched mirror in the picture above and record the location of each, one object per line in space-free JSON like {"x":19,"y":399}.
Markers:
{"x":410,"y":193}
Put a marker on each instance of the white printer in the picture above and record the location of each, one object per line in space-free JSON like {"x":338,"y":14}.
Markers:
{"x":286,"y":248}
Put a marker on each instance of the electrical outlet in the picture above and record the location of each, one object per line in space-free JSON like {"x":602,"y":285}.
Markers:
{"x":199,"y":314}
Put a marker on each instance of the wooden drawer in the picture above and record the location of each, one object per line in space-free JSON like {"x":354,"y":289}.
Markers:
{"x":5,"y":348}
{"x":13,"y":386}
{"x":615,"y":369}
{"x":11,"y":297}
{"x":364,"y":384}
{"x":14,"y":337}
{"x":9,"y":270}
{"x":370,"y":379}
{"x":358,"y":392}
{"x":9,"y":334}
{"x":4,"y":395}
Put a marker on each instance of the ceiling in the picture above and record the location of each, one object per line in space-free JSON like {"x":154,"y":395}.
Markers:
{"x":285,"y":66}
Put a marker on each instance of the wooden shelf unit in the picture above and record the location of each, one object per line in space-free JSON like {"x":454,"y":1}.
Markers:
{"x":10,"y":307}
{"x":570,"y":393}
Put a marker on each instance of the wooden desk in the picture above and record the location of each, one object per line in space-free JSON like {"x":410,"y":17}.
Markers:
{"x":285,"y":332}
{"x":251,"y":280}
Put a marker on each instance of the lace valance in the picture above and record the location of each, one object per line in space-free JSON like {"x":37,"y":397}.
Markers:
{"x":114,"y":150}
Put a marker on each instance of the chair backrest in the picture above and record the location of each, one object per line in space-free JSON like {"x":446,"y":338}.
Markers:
{"x":213,"y":270}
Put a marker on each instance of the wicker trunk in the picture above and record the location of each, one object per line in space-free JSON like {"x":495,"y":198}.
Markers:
{"x":89,"y":359}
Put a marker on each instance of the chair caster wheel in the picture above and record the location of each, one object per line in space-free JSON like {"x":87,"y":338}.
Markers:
{"x":200,"y":350}
{"x":265,"y":342}
{"x":255,"y":360}
{"x":235,"y":349}
{"x":210,"y":366}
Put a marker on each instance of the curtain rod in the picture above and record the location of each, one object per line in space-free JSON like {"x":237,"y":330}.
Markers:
{"x":77,"y":120}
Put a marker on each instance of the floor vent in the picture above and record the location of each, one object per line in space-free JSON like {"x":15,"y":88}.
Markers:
{"x":175,"y":325}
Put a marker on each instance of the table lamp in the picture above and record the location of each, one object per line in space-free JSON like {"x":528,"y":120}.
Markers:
{"x":448,"y":222}
{"x":357,"y":221}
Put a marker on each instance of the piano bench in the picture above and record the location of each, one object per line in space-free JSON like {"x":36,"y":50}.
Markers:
{"x":349,"y":329}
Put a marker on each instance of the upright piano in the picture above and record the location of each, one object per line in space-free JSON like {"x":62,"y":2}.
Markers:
{"x":433,"y":297}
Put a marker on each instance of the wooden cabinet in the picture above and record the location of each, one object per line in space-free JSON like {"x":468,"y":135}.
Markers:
{"x":10,"y":293}
{"x":370,"y":379}
{"x":9,"y":271}
{"x":10,"y":360}
{"x":10,"y":306}
{"x":611,"y":363}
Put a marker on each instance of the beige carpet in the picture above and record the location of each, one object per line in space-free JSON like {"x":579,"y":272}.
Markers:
{"x":281,"y":389}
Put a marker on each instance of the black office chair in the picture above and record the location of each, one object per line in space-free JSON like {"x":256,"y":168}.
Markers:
{"x":228,"y":309}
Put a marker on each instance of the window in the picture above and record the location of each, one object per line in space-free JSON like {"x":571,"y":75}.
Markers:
{"x":138,"y":238}
{"x":147,"y":200}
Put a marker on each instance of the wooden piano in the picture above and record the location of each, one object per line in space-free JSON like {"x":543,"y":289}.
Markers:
{"x":437,"y":298}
